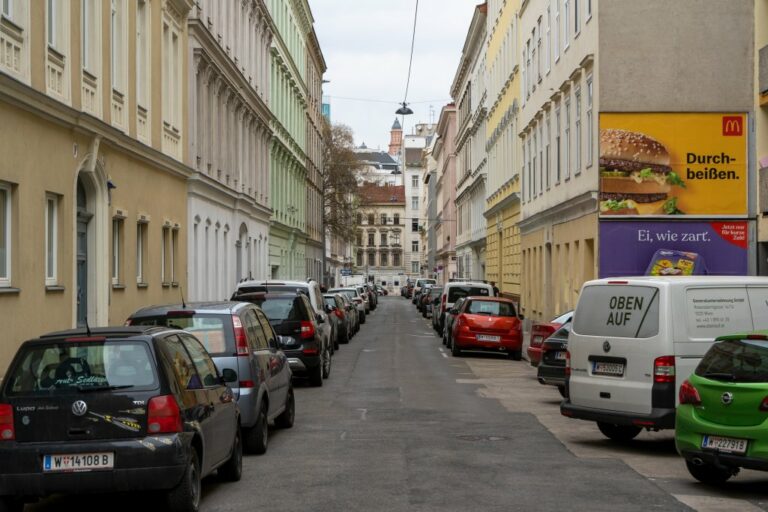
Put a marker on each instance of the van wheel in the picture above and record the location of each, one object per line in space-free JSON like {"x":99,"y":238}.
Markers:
{"x":256,"y":437}
{"x":621,"y":433}
{"x":10,"y":504}
{"x":709,"y":473}
{"x":185,"y":497}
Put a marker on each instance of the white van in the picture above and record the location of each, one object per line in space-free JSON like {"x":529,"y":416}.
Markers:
{"x":635,"y":340}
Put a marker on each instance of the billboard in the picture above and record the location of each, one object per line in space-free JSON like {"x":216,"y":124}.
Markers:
{"x":659,"y":165}
{"x":631,"y":248}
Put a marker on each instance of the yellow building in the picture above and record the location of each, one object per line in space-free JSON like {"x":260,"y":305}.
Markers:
{"x":502,"y":212}
{"x":93,"y":204}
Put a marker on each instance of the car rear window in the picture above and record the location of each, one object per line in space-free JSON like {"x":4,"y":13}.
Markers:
{"x":565,"y":317}
{"x":456,"y":292}
{"x":281,"y":309}
{"x":349,"y":293}
{"x":562,"y":332}
{"x":492,"y":308}
{"x":214,"y":331}
{"x":620,"y":311}
{"x":736,"y":361}
{"x":64,"y":367}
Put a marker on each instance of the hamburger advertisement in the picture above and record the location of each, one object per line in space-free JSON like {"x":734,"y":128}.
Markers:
{"x":673,"y":164}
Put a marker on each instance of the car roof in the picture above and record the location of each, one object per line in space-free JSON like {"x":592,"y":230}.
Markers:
{"x":489,"y":299}
{"x":457,"y":284}
{"x":222,"y":307}
{"x":274,"y":282}
{"x":742,"y":335}
{"x":105,"y":332}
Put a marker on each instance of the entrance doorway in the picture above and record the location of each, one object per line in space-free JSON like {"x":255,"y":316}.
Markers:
{"x":83,"y":218}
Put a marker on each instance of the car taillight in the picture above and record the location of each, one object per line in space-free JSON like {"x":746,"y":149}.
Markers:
{"x":764,"y":405}
{"x":442,"y":303}
{"x":164,"y":415}
{"x":241,"y":342}
{"x":689,"y":394}
{"x":247,"y":384}
{"x":7,"y":430}
{"x":339,"y":313}
{"x":664,"y":369}
{"x":567,"y":363}
{"x":307,"y":330}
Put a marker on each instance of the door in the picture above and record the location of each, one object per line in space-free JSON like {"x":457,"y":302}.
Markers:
{"x":83,"y":218}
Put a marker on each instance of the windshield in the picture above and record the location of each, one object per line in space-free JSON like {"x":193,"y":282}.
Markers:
{"x":492,"y":308}
{"x":349,"y":293}
{"x":422,"y":282}
{"x":736,"y":361}
{"x":66,"y":367}
{"x":620,"y":311}
{"x":214,"y":331}
{"x":456,"y":292}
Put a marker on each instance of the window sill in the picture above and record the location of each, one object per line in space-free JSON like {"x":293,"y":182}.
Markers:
{"x":142,"y":285}
{"x":166,"y":284}
{"x":7,"y":290}
{"x":175,"y":284}
{"x":54,"y":288}
{"x":118,"y":286}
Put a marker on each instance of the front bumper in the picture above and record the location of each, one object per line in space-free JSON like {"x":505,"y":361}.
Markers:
{"x":659,"y":418}
{"x":149,"y":463}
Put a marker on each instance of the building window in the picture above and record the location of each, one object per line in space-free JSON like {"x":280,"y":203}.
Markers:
{"x":415,"y":182}
{"x":567,"y":136}
{"x":576,"y":20}
{"x":395,"y":238}
{"x":359,"y":240}
{"x":141,"y":251}
{"x":51,"y":238}
{"x":89,"y":33}
{"x":547,"y":139}
{"x":549,"y":39}
{"x":371,"y":239}
{"x":565,"y":24}
{"x":117,"y":249}
{"x":396,"y":259}
{"x":142,"y":53}
{"x":589,"y":9}
{"x":383,"y":239}
{"x":415,"y":267}
{"x":175,"y":251}
{"x":558,"y":158}
{"x":415,"y":225}
{"x":414,"y":202}
{"x":556,"y":31}
{"x":53,"y":16}
{"x":540,"y":145}
{"x":383,"y":219}
{"x":165,"y":256}
{"x":171,"y":74}
{"x":415,"y":246}
{"x":371,"y":220}
{"x":5,"y":235}
{"x":526,"y":178}
{"x":359,"y":259}
{"x":590,"y":132}
{"x":371,"y":259}
{"x":118,"y":45}
{"x":384,"y":258}
{"x":577,"y":127}
{"x":7,"y":8}
{"x":396,"y":219}
{"x":538,"y":49}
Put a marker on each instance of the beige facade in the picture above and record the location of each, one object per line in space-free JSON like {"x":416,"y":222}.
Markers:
{"x":444,"y":154}
{"x":761,"y":127}
{"x":316,"y":67}
{"x":93,"y":178}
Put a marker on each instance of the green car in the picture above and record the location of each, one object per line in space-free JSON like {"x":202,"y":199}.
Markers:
{"x":722,"y":420}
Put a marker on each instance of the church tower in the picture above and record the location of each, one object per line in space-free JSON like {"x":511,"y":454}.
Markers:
{"x":396,"y":139}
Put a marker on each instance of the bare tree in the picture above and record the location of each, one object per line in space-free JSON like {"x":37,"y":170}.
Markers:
{"x":340,"y":181}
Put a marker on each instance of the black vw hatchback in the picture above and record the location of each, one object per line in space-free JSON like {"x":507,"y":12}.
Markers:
{"x":115,"y":409}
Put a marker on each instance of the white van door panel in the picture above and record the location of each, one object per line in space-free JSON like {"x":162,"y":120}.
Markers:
{"x":716,"y":311}
{"x":758,"y":303}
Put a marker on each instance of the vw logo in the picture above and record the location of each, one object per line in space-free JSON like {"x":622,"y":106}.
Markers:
{"x":727,"y":398}
{"x":79,"y":408}
{"x":606,"y":346}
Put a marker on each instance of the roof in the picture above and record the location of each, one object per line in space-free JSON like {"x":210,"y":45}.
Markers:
{"x":106,"y":332}
{"x":684,"y":280}
{"x":396,"y":125}
{"x":224,"y":306}
{"x":377,"y":158}
{"x":378,"y":194}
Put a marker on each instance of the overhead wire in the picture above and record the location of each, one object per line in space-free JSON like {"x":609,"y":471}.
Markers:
{"x":410,"y":60}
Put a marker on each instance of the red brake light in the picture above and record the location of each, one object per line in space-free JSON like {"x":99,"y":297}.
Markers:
{"x":567,"y":363}
{"x":164,"y":415}
{"x":339,"y":313}
{"x":76,"y":339}
{"x":307,"y":330}
{"x":310,"y":351}
{"x":7,"y":430}
{"x":247,"y":384}
{"x":618,"y":282}
{"x":241,"y":342}
{"x":757,"y":337}
{"x":763,"y":406}
{"x":690,"y":395}
{"x":664,"y":369}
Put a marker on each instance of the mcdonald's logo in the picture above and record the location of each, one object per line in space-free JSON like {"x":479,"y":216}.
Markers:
{"x":733,"y":126}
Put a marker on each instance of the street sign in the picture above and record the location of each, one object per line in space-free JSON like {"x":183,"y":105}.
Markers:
{"x":346,"y":271}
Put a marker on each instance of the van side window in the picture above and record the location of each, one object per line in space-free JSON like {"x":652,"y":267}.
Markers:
{"x":618,"y":311}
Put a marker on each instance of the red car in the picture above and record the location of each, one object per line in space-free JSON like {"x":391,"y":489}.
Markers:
{"x":542,"y":331}
{"x":490,"y":324}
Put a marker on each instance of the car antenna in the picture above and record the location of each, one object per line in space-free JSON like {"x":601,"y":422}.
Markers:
{"x":181,"y":292}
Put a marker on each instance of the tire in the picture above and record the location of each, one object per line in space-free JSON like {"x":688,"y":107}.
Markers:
{"x":11,"y":504}
{"x":515,"y":355}
{"x":336,"y":343}
{"x":347,"y":336}
{"x":562,"y":391}
{"x":710,"y":474}
{"x":232,"y":470}
{"x":316,"y":376}
{"x":445,"y":339}
{"x":455,"y":350}
{"x":287,"y":417}
{"x":185,"y":497}
{"x":326,"y":364}
{"x":621,"y":433}
{"x":257,"y":437}
{"x":362,"y":319}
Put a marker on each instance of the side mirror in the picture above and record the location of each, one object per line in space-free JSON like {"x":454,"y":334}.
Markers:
{"x":329,"y":308}
{"x":454,"y":311}
{"x":228,"y":375}
{"x":320,"y":319}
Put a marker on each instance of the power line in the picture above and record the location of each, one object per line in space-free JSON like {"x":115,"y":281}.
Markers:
{"x":372,"y":100}
{"x":410,"y":61}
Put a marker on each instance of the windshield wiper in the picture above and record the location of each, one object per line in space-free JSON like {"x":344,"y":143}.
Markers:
{"x":85,"y":389}
{"x":719,"y":376}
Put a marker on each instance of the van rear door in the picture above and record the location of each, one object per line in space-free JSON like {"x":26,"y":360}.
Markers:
{"x":613,"y":344}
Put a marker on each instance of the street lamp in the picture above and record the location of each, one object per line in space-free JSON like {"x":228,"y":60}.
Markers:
{"x":403,"y":111}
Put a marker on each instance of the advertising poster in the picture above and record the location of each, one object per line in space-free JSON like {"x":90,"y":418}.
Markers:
{"x":673,"y":164}
{"x":632,"y":248}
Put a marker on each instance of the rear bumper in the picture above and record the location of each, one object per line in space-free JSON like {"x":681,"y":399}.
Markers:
{"x":660,"y":418}
{"x":552,"y":375}
{"x":725,"y":459}
{"x":504,"y":345}
{"x":301,"y":365}
{"x":137,"y":467}
{"x":534,"y":355}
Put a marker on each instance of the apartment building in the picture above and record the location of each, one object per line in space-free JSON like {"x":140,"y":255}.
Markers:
{"x":444,"y":153}
{"x":93,"y":179}
{"x":414,"y":146}
{"x":429,"y":210}
{"x":761,"y":129}
{"x":316,"y":67}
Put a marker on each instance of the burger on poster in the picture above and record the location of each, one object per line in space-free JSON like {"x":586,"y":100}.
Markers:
{"x":635,"y":176}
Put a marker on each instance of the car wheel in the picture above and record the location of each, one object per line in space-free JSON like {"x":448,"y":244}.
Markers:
{"x":563,"y":392}
{"x":286,"y":418}
{"x":326,"y":364}
{"x":316,"y":376}
{"x":709,"y":473}
{"x":621,"y":433}
{"x":257,"y":437}
{"x":185,"y":497}
{"x":232,"y":470}
{"x":11,"y":504}
{"x":362,"y":319}
{"x":455,"y":350}
{"x":336,"y":343}
{"x":515,"y":355}
{"x":347,"y":336}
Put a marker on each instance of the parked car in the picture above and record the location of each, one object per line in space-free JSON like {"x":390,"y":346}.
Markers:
{"x":490,"y":324}
{"x":309,"y":288}
{"x":422,"y":295}
{"x":632,"y":337}
{"x":366,"y":299}
{"x":450,"y":317}
{"x":540,"y":331}
{"x":353,"y":293}
{"x":336,"y":310}
{"x":372,"y":295}
{"x":239,"y":337}
{"x":350,"y":311}
{"x":116,"y":409}
{"x":721,"y":420}
{"x":457,"y":289}
{"x":551,"y":371}
{"x":430,"y":300}
{"x":419,"y":285}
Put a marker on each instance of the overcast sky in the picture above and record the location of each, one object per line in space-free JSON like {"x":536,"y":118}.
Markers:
{"x":366,"y":45}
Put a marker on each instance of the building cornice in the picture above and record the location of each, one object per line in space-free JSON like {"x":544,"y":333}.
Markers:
{"x":569,"y":209}
{"x":210,"y":190}
{"x":511,"y":199}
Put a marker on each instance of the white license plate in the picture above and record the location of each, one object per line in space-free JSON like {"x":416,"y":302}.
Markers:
{"x":612,"y":369}
{"x":559,"y":356}
{"x":724,"y":444}
{"x":72,"y":462}
{"x":486,"y":337}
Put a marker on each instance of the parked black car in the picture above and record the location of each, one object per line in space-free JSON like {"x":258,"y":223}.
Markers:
{"x":432,"y":298}
{"x":551,"y":369}
{"x":239,"y":337}
{"x":292,"y":317}
{"x":116,"y":409}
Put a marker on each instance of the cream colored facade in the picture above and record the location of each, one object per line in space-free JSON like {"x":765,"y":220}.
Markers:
{"x":761,"y":127}
{"x":93,"y":176}
{"x":502,"y":202}
{"x":316,"y":67}
{"x":444,"y":154}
